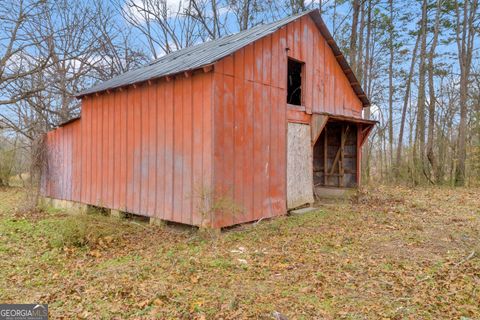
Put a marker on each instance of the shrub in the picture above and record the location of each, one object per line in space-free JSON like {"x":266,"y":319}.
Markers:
{"x":83,"y":230}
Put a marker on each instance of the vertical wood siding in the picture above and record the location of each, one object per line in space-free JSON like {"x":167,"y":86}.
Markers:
{"x":251,"y":116}
{"x":144,"y":150}
{"x":160,"y":150}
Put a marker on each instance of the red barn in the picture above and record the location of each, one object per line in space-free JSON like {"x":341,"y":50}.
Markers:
{"x":229,"y":131}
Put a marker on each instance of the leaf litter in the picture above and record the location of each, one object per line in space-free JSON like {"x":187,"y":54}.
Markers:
{"x":387,"y":253}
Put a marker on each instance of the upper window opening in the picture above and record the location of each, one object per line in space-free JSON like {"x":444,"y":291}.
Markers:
{"x":294,"y":86}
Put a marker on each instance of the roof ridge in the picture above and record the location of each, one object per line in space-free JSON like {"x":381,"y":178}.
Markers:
{"x":181,"y":60}
{"x":221,"y":39}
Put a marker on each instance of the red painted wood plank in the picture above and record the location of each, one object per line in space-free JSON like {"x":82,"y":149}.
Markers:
{"x":95,"y":150}
{"x":228,"y":146}
{"x":239,"y":64}
{"x":257,"y":150}
{"x":219,"y":66}
{"x":55,"y":165}
{"x":69,"y":162}
{"x":97,"y":199}
{"x":130,"y":128}
{"x":238,"y":146}
{"x":110,"y":149}
{"x":60,"y":141}
{"x":258,"y":56}
{"x":198,"y":189}
{"x":282,"y":59}
{"x":249,"y":62}
{"x":298,"y":116}
{"x":53,"y":169}
{"x":208,"y":148}
{"x":178,"y":149}
{"x":249,"y":187}
{"x":266,"y":150}
{"x":267,"y":59}
{"x":117,"y":156}
{"x":137,"y":147}
{"x":309,"y":69}
{"x":316,"y":74}
{"x":170,"y":120}
{"x":122,"y":131}
{"x":239,"y":134}
{"x":274,"y":158}
{"x":144,"y":163}
{"x":282,"y":150}
{"x":329,"y":80}
{"x":61,"y":163}
{"x":290,"y":37}
{"x":275,"y":59}
{"x":321,"y":73}
{"x":160,"y":172}
{"x":76,"y":162}
{"x":337,"y":93}
{"x":151,"y":149}
{"x":104,"y":160}
{"x":86,"y":129}
{"x":297,"y":38}
{"x":219,"y":181}
{"x":187,"y":154}
{"x":228,"y":65}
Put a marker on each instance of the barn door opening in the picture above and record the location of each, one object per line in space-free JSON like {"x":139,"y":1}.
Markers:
{"x":299,"y":165}
{"x":335,"y":157}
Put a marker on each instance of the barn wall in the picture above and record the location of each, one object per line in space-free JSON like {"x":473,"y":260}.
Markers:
{"x":250,"y":115}
{"x":145,"y":150}
{"x":326,"y":88}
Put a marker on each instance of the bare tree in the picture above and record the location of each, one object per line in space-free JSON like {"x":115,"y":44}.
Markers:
{"x":353,"y":34}
{"x":390,"y":80}
{"x":432,"y":98}
{"x":247,"y":13}
{"x":19,"y":21}
{"x":419,"y":143}
{"x":465,"y":18}
{"x":406,"y":99}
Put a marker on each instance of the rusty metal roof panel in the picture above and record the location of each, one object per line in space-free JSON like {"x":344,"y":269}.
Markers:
{"x":193,"y":57}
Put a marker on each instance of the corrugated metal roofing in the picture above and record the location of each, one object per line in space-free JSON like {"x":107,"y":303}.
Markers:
{"x":200,"y":55}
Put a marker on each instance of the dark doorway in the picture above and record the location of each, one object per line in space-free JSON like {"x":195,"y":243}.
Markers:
{"x":335,"y":156}
{"x":294,"y":79}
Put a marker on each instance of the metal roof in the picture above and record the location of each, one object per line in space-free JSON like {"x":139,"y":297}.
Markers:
{"x":200,"y":55}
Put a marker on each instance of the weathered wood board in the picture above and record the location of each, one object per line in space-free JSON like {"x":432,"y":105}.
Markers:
{"x":299,"y":165}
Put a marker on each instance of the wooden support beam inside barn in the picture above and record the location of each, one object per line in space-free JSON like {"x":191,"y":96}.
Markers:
{"x":335,"y":156}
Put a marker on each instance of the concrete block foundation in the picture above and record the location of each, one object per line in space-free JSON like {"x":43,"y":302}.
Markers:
{"x":117,"y":214}
{"x":64,"y":204}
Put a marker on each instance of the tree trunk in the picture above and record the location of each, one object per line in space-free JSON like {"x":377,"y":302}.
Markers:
{"x":390,"y":85}
{"x":465,"y":49}
{"x":419,"y":143}
{"x":432,"y":97}
{"x":405,"y":106}
{"x":366,"y":152}
{"x":353,"y":35}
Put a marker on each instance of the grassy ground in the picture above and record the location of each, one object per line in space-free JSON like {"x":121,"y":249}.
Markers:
{"x":391,"y":253}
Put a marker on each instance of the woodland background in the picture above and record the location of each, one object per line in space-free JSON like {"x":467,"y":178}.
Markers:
{"x":417,"y":60}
